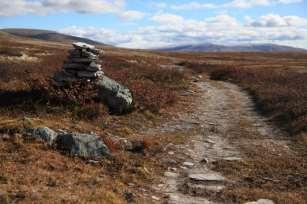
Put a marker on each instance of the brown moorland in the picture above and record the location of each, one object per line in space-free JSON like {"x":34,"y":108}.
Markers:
{"x":32,"y":172}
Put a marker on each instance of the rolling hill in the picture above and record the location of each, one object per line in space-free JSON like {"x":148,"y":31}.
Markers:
{"x":208,"y":47}
{"x":47,"y":36}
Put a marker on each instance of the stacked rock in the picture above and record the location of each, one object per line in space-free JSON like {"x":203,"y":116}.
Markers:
{"x":81,"y":64}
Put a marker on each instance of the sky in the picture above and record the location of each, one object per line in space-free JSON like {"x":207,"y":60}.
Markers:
{"x":155,"y":24}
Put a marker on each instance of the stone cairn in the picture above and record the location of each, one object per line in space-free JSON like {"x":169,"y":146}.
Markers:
{"x":81,"y":64}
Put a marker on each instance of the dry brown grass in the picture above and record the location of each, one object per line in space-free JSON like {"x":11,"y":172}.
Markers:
{"x":281,"y":178}
{"x":35,"y":173}
{"x":31,"y":172}
{"x":153,"y":87}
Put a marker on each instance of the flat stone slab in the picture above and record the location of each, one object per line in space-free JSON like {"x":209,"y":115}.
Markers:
{"x":89,"y":55}
{"x":75,"y":66}
{"x":261,"y":201}
{"x":94,"y":67}
{"x":186,"y":199}
{"x":207,"y":177}
{"x":201,"y":189}
{"x":83,"y":45}
{"x":232,"y":158}
{"x":79,"y":60}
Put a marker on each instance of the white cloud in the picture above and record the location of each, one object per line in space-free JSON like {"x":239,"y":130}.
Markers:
{"x":289,"y":1}
{"x":172,"y":30}
{"x":101,"y":34}
{"x":193,"y":6}
{"x":242,"y":4}
{"x":222,"y":20}
{"x":158,"y":5}
{"x":20,"y":7}
{"x":168,"y":19}
{"x":92,"y":6}
{"x":254,"y":3}
{"x":44,"y":7}
{"x":17,"y":7}
{"x":275,"y":20}
{"x":131,"y":15}
{"x":248,"y":3}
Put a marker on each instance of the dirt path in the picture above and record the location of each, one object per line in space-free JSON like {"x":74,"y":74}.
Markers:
{"x":220,"y":113}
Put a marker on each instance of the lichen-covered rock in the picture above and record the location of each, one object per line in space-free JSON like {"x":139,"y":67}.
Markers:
{"x":82,"y":145}
{"x":44,"y":134}
{"x":117,"y":97}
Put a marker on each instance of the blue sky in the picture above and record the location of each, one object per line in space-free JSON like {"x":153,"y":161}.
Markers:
{"x":146,"y":24}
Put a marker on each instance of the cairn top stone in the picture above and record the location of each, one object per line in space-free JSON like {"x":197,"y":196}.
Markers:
{"x":82,"y":45}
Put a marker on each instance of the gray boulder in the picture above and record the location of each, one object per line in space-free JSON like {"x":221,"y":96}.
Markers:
{"x":117,"y":97}
{"x":82,"y":145}
{"x":43,"y":134}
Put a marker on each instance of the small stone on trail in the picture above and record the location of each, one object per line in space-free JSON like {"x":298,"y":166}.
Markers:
{"x":169,"y":162}
{"x":5,"y":137}
{"x":131,"y":184}
{"x":93,"y":162}
{"x":155,"y":198}
{"x":183,"y":167}
{"x":206,"y":177}
{"x":170,"y":174}
{"x":171,"y":153}
{"x":173,"y":169}
{"x":188,"y":164}
{"x":232,"y":158}
{"x":204,"y":161}
{"x":129,"y":196}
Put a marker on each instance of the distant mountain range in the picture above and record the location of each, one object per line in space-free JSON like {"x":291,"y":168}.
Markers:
{"x":47,"y":36}
{"x":208,"y":47}
{"x":53,"y":36}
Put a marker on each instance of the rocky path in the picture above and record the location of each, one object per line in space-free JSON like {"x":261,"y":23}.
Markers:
{"x":220,"y":113}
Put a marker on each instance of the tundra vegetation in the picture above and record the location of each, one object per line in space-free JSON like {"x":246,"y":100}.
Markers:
{"x":30,"y":171}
